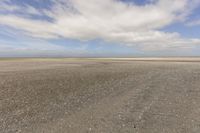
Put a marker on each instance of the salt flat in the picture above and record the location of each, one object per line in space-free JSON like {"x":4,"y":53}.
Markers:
{"x":104,"y":95}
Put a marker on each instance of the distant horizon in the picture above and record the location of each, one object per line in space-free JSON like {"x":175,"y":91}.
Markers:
{"x":99,"y":56}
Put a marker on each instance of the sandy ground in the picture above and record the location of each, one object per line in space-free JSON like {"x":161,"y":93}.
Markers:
{"x":99,"y":96}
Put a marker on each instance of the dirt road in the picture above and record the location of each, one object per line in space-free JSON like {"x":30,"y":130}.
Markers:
{"x":99,"y":96}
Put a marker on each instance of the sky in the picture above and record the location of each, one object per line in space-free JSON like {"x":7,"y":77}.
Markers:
{"x":99,"y":28}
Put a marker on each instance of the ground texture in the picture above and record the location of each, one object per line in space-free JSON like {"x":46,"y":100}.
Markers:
{"x":99,"y":96}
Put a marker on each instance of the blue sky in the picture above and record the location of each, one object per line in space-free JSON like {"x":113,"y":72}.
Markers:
{"x":106,"y":28}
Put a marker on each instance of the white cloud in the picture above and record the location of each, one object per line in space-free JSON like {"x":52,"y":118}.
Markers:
{"x":29,"y":44}
{"x":110,"y":20}
{"x":193,"y":23}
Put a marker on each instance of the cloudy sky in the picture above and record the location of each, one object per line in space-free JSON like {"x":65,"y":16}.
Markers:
{"x":99,"y":28}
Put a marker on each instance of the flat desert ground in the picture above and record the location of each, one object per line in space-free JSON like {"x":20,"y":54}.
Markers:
{"x":145,"y":95}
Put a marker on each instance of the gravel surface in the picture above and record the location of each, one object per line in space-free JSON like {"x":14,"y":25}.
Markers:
{"x":99,"y":96}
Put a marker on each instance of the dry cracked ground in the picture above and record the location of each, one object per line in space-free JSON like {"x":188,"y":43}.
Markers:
{"x":99,"y":96}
